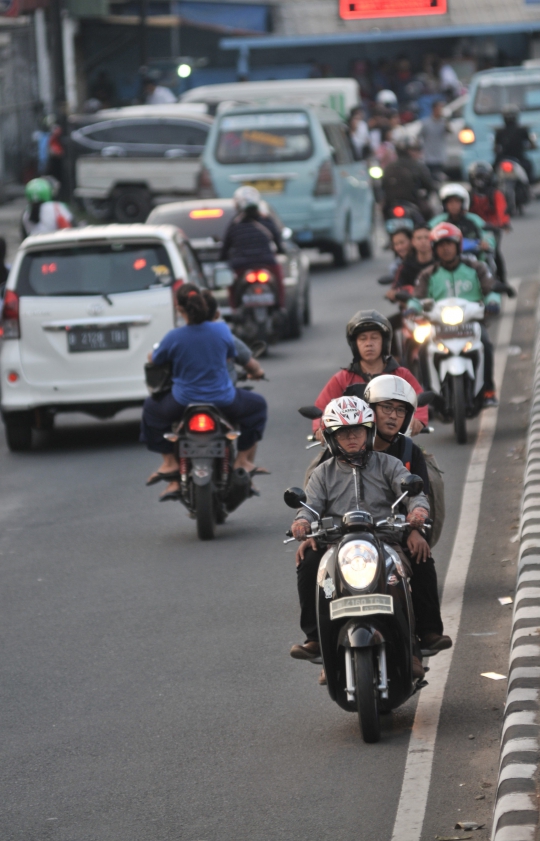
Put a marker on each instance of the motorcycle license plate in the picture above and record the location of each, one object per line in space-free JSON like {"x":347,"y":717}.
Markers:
{"x":458,"y":331}
{"x":361,"y":606}
{"x":265,"y":299}
{"x":191,"y":449}
{"x":110,"y":338}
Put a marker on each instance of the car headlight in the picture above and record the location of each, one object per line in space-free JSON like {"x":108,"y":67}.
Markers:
{"x":452,"y":315}
{"x":422,"y":332}
{"x":358,"y":561}
{"x":376,"y":172}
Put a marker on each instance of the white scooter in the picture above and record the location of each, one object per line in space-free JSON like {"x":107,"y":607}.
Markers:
{"x":454,"y":354}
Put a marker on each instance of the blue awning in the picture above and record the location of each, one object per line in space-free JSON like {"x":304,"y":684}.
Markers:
{"x":232,"y":16}
{"x":380,"y":36}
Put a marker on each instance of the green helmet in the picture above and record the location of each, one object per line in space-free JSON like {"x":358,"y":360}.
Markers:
{"x":38,"y":190}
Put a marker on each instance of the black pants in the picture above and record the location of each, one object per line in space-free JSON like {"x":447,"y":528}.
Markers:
{"x":425,"y":597}
{"x":489,"y":384}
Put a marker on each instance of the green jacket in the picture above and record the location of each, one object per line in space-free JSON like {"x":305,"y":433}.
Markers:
{"x":471,"y":281}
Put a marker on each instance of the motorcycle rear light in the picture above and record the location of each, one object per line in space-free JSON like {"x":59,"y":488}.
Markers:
{"x":399,"y":212}
{"x":466,"y":136}
{"x":205,"y":186}
{"x":201,"y":423}
{"x":325,"y":180}
{"x":10,"y":316}
{"x":507,"y":166}
{"x":258,"y":277}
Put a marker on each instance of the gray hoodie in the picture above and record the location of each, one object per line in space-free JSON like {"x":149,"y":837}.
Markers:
{"x":331,"y":488}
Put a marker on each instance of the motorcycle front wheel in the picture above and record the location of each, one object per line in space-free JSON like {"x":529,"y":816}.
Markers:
{"x":205,"y":512}
{"x":458,"y":400}
{"x":367,"y":694}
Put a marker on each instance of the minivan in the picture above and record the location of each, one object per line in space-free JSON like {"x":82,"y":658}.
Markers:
{"x":301,"y":160}
{"x":489,"y":92}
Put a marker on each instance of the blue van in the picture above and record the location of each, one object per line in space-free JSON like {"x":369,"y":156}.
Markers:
{"x":301,"y":161}
{"x":489,"y":92}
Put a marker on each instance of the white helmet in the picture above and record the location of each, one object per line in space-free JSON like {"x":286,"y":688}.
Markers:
{"x":457,"y":191}
{"x":246,"y":197}
{"x":387,"y":98}
{"x":390,"y":387}
{"x":348,"y":411}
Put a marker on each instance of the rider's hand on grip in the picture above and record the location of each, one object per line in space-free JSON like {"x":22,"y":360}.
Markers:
{"x":417,"y":517}
{"x":300,"y":529}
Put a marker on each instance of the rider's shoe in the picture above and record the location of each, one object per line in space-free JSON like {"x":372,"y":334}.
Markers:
{"x":417,"y":669}
{"x":432,"y":643}
{"x":322,"y":679}
{"x":490,"y":399}
{"x":310,"y":650}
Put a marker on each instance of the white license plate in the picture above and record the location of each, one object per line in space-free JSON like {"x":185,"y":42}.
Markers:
{"x":361,"y":606}
{"x":265,"y":299}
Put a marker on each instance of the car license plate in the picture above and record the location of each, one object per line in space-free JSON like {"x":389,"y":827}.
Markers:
{"x":361,"y":606}
{"x":269,"y":185}
{"x":192,"y":449}
{"x":108,"y":338}
{"x":459,"y":331}
{"x":265,"y":299}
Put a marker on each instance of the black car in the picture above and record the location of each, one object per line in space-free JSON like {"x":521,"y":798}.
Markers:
{"x":204,"y":223}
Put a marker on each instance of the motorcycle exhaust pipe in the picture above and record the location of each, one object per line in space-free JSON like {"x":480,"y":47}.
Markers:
{"x":240,"y":489}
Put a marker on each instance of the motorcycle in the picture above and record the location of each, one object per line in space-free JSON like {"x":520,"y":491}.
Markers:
{"x":514,"y":183}
{"x":364,"y":610}
{"x":256,"y":298}
{"x":402,"y":215}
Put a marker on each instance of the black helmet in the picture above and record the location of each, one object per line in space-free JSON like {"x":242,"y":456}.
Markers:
{"x":365,"y":320}
{"x":510,"y":113}
{"x":481,"y":176}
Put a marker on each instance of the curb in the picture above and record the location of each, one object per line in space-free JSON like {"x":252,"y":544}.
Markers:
{"x":516,"y":814}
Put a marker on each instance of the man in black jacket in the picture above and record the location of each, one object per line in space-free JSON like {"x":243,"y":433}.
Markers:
{"x":407,"y":180}
{"x":251,"y":240}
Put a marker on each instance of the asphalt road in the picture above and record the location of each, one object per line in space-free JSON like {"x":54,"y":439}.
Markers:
{"x":147,"y":693}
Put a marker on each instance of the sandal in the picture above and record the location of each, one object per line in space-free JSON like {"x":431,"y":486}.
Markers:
{"x":170,"y":495}
{"x":162,"y":477}
{"x":259,"y":471}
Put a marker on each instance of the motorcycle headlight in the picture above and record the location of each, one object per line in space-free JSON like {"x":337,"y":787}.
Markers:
{"x":422,"y":332}
{"x":452,"y":315}
{"x":376,"y":172}
{"x":358,"y":561}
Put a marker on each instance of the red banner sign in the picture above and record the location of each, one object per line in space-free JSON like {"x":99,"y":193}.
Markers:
{"x":363,"y":9}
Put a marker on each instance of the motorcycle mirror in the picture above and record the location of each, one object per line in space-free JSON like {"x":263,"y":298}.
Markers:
{"x":386,"y":280}
{"x":505,"y":288}
{"x":311,"y":412}
{"x":258,"y":349}
{"x":426,"y":398}
{"x":412,"y":485}
{"x":294,"y":497}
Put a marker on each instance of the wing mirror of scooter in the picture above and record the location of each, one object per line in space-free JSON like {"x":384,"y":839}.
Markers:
{"x":258,"y":349}
{"x":294,"y":497}
{"x":386,"y":280}
{"x":311,"y":412}
{"x":504,"y":288}
{"x":412,"y":485}
{"x":425,"y":398}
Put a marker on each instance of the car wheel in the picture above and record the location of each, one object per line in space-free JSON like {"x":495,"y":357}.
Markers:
{"x":132,"y":205}
{"x":18,"y":431}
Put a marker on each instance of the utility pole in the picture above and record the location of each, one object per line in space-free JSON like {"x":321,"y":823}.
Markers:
{"x":60,"y":105}
{"x":143,"y":33}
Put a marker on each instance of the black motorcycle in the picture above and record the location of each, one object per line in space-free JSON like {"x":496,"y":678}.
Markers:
{"x":364,"y":611}
{"x":257,"y":314}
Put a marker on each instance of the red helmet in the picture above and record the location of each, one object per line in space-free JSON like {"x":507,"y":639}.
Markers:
{"x":445,"y":230}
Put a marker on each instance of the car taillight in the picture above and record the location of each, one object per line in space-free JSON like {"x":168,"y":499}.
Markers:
{"x":201,"y":423}
{"x":507,"y":166}
{"x":205,"y":185}
{"x":10,"y":315}
{"x":325,"y":180}
{"x":399,"y":212}
{"x":260,"y":276}
{"x":177,"y":284}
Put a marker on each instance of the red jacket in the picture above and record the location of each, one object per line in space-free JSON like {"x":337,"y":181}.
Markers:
{"x":495,"y":214}
{"x":335,"y":387}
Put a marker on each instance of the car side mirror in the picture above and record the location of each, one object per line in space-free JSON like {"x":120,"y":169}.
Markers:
{"x":222,"y":277}
{"x":412,"y":485}
{"x":294,"y":497}
{"x":311,"y":412}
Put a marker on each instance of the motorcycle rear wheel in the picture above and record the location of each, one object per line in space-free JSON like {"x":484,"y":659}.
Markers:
{"x":205,"y":512}
{"x":367,"y":694}
{"x":458,"y":400}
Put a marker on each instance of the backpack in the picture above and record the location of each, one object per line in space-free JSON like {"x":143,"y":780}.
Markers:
{"x":436,"y":491}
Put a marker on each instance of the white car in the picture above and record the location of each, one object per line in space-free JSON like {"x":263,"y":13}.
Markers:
{"x":82,"y":309}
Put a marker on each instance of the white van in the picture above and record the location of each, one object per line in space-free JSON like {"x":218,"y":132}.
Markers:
{"x":339,"y":94}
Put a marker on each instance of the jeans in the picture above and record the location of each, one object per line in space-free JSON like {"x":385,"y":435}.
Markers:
{"x":489,"y":384}
{"x":425,"y":596}
{"x":248,"y":410}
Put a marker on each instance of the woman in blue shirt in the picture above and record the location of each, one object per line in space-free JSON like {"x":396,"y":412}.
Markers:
{"x":198,"y":353}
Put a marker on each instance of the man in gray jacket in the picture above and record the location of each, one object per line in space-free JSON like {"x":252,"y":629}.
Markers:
{"x":356,"y":477}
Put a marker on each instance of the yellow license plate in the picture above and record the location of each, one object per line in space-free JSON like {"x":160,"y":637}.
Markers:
{"x":270,"y":185}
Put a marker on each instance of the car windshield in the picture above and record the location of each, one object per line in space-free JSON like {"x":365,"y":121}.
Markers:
{"x":94,"y":269}
{"x":494,"y":94}
{"x":264,"y":138}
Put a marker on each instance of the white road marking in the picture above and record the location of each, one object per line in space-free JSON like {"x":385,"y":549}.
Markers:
{"x":417,"y":777}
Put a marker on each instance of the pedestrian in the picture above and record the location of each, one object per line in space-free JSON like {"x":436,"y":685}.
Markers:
{"x":155,"y":94}
{"x":359,"y":133}
{"x":433,"y":133}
